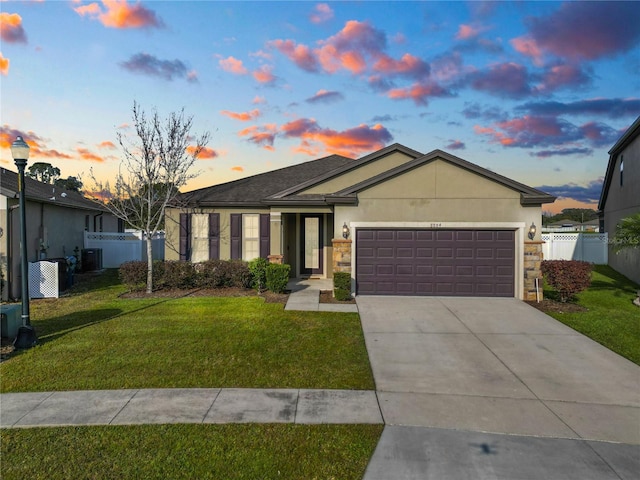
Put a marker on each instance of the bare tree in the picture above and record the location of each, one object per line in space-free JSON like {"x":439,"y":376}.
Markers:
{"x":156,"y":164}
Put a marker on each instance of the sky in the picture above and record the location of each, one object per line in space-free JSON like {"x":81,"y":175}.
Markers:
{"x":536,"y":91}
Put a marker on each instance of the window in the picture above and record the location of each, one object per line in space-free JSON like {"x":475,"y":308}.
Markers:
{"x":87,"y":222}
{"x":250,"y":236}
{"x":621,"y":169}
{"x":199,"y":237}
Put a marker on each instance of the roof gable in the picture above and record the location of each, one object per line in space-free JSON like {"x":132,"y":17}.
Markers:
{"x":528,"y":195}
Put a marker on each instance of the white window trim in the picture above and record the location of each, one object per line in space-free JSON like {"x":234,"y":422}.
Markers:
{"x":255,"y":239}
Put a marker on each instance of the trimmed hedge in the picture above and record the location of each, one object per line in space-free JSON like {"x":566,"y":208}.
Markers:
{"x":567,"y":277}
{"x":186,"y":275}
{"x":258,"y":268}
{"x":277,"y":277}
{"x":342,"y":286}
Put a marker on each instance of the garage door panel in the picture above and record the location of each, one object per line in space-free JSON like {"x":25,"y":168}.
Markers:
{"x":435,"y":262}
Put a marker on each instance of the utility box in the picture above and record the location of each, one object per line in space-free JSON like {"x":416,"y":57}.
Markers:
{"x":10,"y":320}
{"x":91,"y":259}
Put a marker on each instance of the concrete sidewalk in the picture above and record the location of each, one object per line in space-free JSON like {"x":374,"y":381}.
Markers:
{"x":305,"y":296}
{"x":188,"y":405}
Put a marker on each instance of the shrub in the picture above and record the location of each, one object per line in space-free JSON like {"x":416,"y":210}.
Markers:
{"x":214,"y":274}
{"x":258,"y":268}
{"x":133,"y":275}
{"x":179,"y":274}
{"x":567,"y":277}
{"x":239,"y":273}
{"x":342,"y":286}
{"x":277,"y":277}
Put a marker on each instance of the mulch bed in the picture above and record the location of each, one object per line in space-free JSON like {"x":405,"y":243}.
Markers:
{"x":269,"y":297}
{"x":548,"y":305}
{"x":326,"y":296}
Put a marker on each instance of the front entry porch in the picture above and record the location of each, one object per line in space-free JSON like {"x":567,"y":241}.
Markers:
{"x":306,"y":244}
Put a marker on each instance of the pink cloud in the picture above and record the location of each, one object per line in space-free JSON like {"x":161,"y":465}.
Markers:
{"x":205,"y":153}
{"x":258,"y":100}
{"x":119,"y":14}
{"x":86,"y":154}
{"x":419,"y":92}
{"x":325,"y":96}
{"x":527,"y":46}
{"x":233,"y":65}
{"x":237,"y":168}
{"x":264,"y":75}
{"x":322,"y":13}
{"x":407,"y":65}
{"x":242,"y":116}
{"x":301,"y":55}
{"x":588,"y":30}
{"x":107,"y":144}
{"x":262,"y":136}
{"x":560,"y":76}
{"x":11,"y":30}
{"x":466,"y":32}
{"x":456,"y":145}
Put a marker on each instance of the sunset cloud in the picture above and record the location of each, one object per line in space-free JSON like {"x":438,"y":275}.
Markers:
{"x":11,"y":30}
{"x":467,"y":32}
{"x":589,"y":193}
{"x":562,"y":152}
{"x":206,"y":153}
{"x":263,"y":74}
{"x":237,"y":168}
{"x":257,"y":100}
{"x":37,"y":144}
{"x":107,"y":144}
{"x":119,"y":14}
{"x":146,"y":64}
{"x":528,"y":47}
{"x":408,"y":65}
{"x":301,"y":55}
{"x":233,"y":65}
{"x":419,"y":93}
{"x":560,"y":76}
{"x":263,"y":136}
{"x":321,"y":13}
{"x":325,"y":96}
{"x":507,"y":79}
{"x":4,"y":65}
{"x":586,"y":30}
{"x":88,"y":155}
{"x":242,"y":116}
{"x":456,"y":145}
{"x":350,"y":143}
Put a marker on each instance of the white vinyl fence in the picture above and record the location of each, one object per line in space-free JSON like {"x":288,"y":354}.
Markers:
{"x":587,"y":247}
{"x":118,"y":248}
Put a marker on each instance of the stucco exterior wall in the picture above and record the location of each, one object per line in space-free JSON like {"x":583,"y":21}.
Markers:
{"x":172,"y":229}
{"x":622,"y":201}
{"x":56,"y":228}
{"x":358,"y":175}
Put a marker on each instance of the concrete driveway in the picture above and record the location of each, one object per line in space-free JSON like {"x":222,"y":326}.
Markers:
{"x":495,"y":385}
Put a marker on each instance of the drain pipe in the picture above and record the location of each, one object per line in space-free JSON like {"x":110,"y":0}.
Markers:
{"x":537,"y":290}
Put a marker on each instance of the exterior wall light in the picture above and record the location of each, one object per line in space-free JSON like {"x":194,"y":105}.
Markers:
{"x":26,"y":337}
{"x":532,"y":231}
{"x":345,"y":231}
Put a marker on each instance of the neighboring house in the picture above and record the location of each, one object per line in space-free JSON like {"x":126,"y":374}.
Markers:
{"x":416,"y":224}
{"x":56,"y":219}
{"x":620,"y":197}
{"x":572,"y":226}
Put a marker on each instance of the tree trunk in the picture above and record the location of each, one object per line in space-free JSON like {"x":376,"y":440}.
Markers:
{"x":149,"y":263}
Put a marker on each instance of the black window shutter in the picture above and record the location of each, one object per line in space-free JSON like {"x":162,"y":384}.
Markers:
{"x":236,"y":236}
{"x":265,"y":235}
{"x":214,"y":236}
{"x":185,"y":237}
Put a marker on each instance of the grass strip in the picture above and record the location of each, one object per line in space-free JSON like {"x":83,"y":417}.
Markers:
{"x":611,"y":318}
{"x":249,"y":451}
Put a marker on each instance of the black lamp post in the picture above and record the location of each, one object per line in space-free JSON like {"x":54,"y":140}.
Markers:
{"x":26,"y":337}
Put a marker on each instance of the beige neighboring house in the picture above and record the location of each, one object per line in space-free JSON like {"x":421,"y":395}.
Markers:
{"x":56,"y":221}
{"x":620,"y":197}
{"x":399,"y":221}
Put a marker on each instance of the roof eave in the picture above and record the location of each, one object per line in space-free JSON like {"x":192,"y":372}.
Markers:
{"x":529,"y":200}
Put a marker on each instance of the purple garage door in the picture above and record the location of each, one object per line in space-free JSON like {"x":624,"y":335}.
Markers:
{"x":472,"y":263}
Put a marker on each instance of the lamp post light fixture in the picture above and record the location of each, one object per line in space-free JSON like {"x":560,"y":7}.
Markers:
{"x":532,"y":231}
{"x":345,"y":231}
{"x":26,"y":337}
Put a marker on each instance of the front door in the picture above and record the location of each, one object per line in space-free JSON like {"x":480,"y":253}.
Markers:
{"x":311,"y":260}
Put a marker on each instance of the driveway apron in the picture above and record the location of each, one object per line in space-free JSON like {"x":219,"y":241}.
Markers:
{"x":489,"y":368}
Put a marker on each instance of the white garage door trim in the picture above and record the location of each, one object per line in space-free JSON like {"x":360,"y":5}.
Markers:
{"x":518,"y":227}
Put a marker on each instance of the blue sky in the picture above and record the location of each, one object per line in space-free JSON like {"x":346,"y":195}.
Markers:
{"x":536,"y":91}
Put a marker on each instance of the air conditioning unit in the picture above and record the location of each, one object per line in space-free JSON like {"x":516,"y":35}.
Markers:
{"x":10,"y":320}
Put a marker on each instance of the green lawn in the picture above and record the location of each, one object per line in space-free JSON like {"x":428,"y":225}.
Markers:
{"x":97,"y":340}
{"x":611,"y":319}
{"x":94,"y":339}
{"x":189,"y":451}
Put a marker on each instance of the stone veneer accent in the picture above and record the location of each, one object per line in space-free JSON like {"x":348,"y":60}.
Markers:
{"x":275,"y":259}
{"x":341,"y":255}
{"x":532,"y":270}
